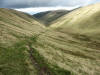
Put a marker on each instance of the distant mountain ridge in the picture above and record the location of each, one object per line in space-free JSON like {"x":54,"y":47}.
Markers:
{"x":49,"y":16}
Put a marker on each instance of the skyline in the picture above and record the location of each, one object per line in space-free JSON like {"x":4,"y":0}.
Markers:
{"x":35,"y":6}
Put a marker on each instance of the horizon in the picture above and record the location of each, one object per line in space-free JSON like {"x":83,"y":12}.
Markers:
{"x":35,"y":10}
{"x":32,"y":6}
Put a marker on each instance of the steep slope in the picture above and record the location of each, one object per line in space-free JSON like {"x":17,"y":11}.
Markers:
{"x":83,"y":21}
{"x":14,"y":28}
{"x":86,"y":18}
{"x":48,"y":17}
{"x":15,"y":24}
{"x":73,"y":42}
{"x":69,"y":47}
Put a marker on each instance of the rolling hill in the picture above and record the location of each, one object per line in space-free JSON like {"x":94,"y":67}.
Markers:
{"x":15,"y":24}
{"x":48,"y":17}
{"x":82,"y":21}
{"x":72,"y":42}
{"x":70,"y":46}
{"x":15,"y":27}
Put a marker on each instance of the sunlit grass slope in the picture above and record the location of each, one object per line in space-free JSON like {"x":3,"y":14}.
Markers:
{"x":71,"y":46}
{"x":14,"y":24}
{"x":14,"y":28}
{"x":83,"y":20}
{"x":73,"y":42}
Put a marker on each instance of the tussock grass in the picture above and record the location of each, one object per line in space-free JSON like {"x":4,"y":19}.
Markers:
{"x":14,"y":28}
{"x":71,"y":48}
{"x":12,"y":61}
{"x":78,"y":54}
{"x":73,"y":41}
{"x":14,"y":25}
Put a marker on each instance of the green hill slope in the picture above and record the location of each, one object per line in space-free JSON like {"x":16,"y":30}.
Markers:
{"x":48,"y":17}
{"x":14,"y":28}
{"x":72,"y":43}
{"x":14,"y":24}
{"x":69,"y":47}
{"x":83,"y":21}
{"x":83,"y":18}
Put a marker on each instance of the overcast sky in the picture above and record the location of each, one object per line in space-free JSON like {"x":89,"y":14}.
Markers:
{"x":25,"y":5}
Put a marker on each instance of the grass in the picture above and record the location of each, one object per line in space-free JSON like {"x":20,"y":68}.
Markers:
{"x":42,"y":63}
{"x":12,"y":61}
{"x":73,"y":42}
{"x":13,"y":27}
{"x":73,"y":52}
{"x":68,"y":49}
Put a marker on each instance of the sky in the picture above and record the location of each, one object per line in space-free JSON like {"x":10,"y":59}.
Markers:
{"x":35,"y":6}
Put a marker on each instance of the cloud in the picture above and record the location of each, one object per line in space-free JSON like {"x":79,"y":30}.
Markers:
{"x":25,"y":3}
{"x":43,"y":3}
{"x":42,"y":9}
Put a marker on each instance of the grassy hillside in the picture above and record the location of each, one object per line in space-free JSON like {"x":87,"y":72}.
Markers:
{"x":14,"y":24}
{"x":82,"y":21}
{"x":48,"y":17}
{"x":83,"y":18}
{"x":15,"y":27}
{"x":69,"y":47}
{"x":72,"y":43}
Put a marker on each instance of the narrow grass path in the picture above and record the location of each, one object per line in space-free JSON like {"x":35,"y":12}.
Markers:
{"x":38,"y":61}
{"x":41,"y":70}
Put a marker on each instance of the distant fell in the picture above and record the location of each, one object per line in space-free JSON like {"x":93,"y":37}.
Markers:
{"x":49,"y":16}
